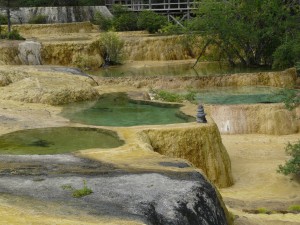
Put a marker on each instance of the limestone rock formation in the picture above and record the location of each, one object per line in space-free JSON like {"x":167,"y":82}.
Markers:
{"x":285,"y":78}
{"x":28,"y":84}
{"x":58,"y":14}
{"x":200,"y":144}
{"x":258,"y":118}
{"x":30,"y":53}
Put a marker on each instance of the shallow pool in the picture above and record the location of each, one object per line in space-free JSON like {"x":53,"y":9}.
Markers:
{"x":179,"y":68}
{"x":57,"y":140}
{"x":118,"y":110}
{"x":239,"y":95}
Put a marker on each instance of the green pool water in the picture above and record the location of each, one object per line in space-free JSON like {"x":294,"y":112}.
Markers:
{"x":118,"y":110}
{"x":239,"y":95}
{"x":57,"y":140}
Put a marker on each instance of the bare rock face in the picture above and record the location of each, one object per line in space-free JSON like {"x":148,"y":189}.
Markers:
{"x":175,"y":198}
{"x":30,"y":53}
{"x":201,"y":145}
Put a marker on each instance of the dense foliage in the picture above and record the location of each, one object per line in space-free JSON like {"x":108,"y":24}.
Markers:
{"x":291,"y":166}
{"x":251,"y":32}
{"x":125,"y":20}
{"x":151,"y":21}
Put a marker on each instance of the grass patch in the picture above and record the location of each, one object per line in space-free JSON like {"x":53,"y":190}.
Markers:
{"x":78,"y":193}
{"x":173,"y":97}
{"x":262,"y":210}
{"x":294,"y":208}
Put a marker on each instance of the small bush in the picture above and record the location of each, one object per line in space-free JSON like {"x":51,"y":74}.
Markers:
{"x":290,"y":98}
{"x":151,"y":21}
{"x":3,"y":19}
{"x":14,"y":35}
{"x":294,"y":208}
{"x":38,"y":19}
{"x":125,"y":22}
{"x":78,"y":193}
{"x":104,"y":23}
{"x":112,"y":46}
{"x":291,"y":166}
{"x":262,"y":210}
{"x":168,"y":96}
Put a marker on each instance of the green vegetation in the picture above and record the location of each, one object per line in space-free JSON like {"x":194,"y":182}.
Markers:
{"x":292,"y":166}
{"x":103,"y":22}
{"x":125,"y":20}
{"x":291,"y":98}
{"x":78,"y":193}
{"x":38,"y":19}
{"x":112,"y":45}
{"x":295,"y":208}
{"x":262,"y":210}
{"x":13,"y":35}
{"x":174,"y":97}
{"x":151,"y":21}
{"x":251,"y":33}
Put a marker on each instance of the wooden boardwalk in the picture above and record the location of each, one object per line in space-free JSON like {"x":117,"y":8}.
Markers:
{"x":169,"y":7}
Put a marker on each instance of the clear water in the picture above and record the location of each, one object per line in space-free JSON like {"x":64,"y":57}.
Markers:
{"x":171,"y":69}
{"x":238,"y":95}
{"x":118,"y":110}
{"x":56,"y":140}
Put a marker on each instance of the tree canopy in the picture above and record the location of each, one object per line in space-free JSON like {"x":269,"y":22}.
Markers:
{"x":250,"y":31}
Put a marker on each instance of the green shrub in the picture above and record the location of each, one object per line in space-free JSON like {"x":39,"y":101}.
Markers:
{"x":291,"y":166}
{"x":3,"y":19}
{"x":104,"y":23}
{"x":168,"y":96}
{"x":262,"y":210}
{"x":125,"y":22}
{"x":287,"y":54}
{"x":38,"y":19}
{"x":14,"y":35}
{"x":290,"y":98}
{"x":151,"y":21}
{"x":78,"y":193}
{"x":112,"y":46}
{"x":294,"y":208}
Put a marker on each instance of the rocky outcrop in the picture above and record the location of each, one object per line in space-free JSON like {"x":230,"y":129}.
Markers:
{"x":34,"y":30}
{"x":61,"y":14}
{"x":259,"y":118}
{"x":30,"y":53}
{"x":285,"y":78}
{"x":175,"y":198}
{"x":199,"y":144}
{"x":143,"y":47}
{"x":28,"y":84}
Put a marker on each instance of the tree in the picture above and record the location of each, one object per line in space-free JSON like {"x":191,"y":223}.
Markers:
{"x":245,"y":31}
{"x":291,"y":166}
{"x":8,"y":5}
{"x":151,"y":21}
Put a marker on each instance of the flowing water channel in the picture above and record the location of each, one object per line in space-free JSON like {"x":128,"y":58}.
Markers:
{"x":57,"y":140}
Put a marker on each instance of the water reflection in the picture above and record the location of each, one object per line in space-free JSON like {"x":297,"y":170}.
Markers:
{"x":174,"y":68}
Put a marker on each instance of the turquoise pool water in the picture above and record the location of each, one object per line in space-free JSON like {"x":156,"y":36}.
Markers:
{"x":118,"y":110}
{"x":239,"y":95}
{"x":57,"y":140}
